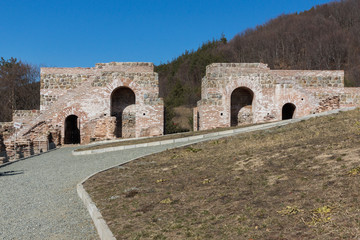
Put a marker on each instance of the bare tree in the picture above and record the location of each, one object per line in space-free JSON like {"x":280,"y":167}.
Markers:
{"x":19,"y":87}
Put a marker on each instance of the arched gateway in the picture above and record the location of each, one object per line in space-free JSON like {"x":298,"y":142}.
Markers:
{"x":72,"y":130}
{"x":241,"y":106}
{"x":121,"y":98}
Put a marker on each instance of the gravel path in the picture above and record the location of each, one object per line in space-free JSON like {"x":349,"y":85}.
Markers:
{"x":38,"y":198}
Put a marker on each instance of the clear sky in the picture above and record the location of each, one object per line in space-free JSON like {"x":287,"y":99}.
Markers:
{"x":80,"y":33}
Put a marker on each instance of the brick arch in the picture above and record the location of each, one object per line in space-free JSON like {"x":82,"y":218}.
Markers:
{"x":66,"y":112}
{"x":73,"y":110}
{"x":123,"y":82}
{"x":254,"y":87}
{"x":241,"y":101}
{"x":121,"y":95}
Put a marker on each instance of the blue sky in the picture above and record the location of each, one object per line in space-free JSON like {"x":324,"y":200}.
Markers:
{"x":80,"y":33}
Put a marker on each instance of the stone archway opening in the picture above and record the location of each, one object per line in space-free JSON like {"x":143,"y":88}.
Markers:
{"x":121,"y":98}
{"x":72,"y":130}
{"x":288,"y":111}
{"x":241,"y":106}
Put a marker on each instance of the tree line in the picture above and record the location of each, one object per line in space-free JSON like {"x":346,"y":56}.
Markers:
{"x":326,"y":37}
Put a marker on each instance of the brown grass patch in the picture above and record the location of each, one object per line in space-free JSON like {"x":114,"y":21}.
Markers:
{"x":294,"y":182}
{"x":183,"y":117}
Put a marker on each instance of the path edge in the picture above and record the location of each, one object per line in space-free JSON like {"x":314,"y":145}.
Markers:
{"x":101,"y":226}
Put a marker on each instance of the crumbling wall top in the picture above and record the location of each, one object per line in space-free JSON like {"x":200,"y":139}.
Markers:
{"x":69,"y":71}
{"x":234,"y":67}
{"x":126,"y":66}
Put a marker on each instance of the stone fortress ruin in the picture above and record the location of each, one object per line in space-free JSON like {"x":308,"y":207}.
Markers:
{"x":121,"y":100}
{"x":80,"y":105}
{"x":243,"y":93}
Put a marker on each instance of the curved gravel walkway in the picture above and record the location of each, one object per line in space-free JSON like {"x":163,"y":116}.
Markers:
{"x":38,"y":198}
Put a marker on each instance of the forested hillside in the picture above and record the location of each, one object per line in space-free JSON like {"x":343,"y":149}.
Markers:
{"x":325,"y":37}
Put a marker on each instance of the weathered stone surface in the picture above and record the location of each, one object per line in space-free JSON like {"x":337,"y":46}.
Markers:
{"x":227,"y":88}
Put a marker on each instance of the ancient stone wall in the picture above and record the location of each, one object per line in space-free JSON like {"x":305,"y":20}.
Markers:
{"x":56,"y":82}
{"x":82,"y":98}
{"x":99,"y":129}
{"x":24,"y":116}
{"x":308,"y":91}
{"x":122,"y":100}
{"x":87,"y":94}
{"x":310,"y":78}
{"x":134,"y":67}
{"x":91,"y":95}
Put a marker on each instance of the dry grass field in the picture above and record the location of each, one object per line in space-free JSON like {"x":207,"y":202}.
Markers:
{"x":300,"y":181}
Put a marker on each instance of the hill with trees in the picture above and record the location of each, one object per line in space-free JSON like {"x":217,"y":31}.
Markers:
{"x":326,"y":37}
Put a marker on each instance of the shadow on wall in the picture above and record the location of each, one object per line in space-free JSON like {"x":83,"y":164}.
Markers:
{"x":3,"y":154}
{"x":52,"y":145}
{"x":121,"y":97}
{"x":20,"y":151}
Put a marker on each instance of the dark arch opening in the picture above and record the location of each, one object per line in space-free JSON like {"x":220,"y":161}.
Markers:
{"x":241,"y":97}
{"x":72,"y":131}
{"x":288,"y":111}
{"x":121,"y":98}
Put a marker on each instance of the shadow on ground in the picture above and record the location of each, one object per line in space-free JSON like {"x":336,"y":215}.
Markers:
{"x":10,"y":173}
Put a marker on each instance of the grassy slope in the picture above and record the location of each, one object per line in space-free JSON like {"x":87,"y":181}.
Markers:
{"x":157,"y":138}
{"x":301,"y":181}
